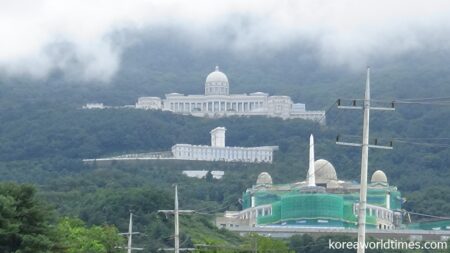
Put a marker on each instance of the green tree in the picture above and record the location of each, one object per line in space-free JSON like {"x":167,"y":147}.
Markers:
{"x":24,"y":221}
{"x":262,"y":244}
{"x":78,"y":238}
{"x":209,"y":176}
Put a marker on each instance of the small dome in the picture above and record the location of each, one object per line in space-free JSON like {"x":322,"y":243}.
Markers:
{"x":216,"y":83}
{"x":264,"y":178}
{"x":379,"y":177}
{"x":324,"y":171}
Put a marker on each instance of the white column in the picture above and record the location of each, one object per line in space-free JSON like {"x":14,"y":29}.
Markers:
{"x":311,"y":170}
{"x":388,"y":200}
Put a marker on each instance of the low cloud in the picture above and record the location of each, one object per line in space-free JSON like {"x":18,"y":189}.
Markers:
{"x":75,"y":36}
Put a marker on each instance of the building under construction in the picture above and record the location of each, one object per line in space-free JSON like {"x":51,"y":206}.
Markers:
{"x":321,"y":200}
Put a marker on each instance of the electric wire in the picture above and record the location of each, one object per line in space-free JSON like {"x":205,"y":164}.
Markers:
{"x":424,"y":101}
{"x":429,"y":216}
{"x":409,"y":140}
{"x":429,"y":98}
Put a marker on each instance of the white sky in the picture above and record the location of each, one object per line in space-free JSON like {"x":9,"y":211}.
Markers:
{"x":37,"y":36}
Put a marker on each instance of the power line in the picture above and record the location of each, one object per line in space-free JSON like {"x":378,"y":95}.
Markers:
{"x":421,"y":103}
{"x":429,"y":98}
{"x":439,"y":145}
{"x":407,"y":141}
{"x":422,"y":138}
{"x":430,"y":216}
{"x":213,"y":211}
{"x":402,"y":101}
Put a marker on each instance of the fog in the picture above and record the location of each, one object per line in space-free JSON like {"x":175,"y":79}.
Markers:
{"x":76,"y":36}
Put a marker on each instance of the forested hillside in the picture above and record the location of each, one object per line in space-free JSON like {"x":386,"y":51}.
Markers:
{"x":44,"y":134}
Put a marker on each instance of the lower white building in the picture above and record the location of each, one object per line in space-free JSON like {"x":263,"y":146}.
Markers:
{"x":216,"y":174}
{"x":219,"y":152}
{"x":217,"y":102}
{"x":94,"y":106}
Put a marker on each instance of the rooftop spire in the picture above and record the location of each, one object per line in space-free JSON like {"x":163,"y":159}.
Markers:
{"x":311,"y":170}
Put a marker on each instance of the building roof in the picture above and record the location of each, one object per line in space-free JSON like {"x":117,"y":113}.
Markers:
{"x":216,"y":77}
{"x":264,"y":178}
{"x":379,"y":177}
{"x":324,"y":171}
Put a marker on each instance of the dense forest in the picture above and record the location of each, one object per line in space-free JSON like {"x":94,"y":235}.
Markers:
{"x":44,"y":134}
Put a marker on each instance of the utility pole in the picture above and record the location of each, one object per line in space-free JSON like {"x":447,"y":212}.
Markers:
{"x":177,"y":223}
{"x":176,"y":212}
{"x":364,"y":158}
{"x":130,"y":234}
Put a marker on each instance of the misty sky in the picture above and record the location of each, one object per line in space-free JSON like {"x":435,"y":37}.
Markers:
{"x":37,"y":36}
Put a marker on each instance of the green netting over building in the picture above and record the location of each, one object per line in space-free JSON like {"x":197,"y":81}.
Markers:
{"x":312,"y":206}
{"x":329,"y":202}
{"x":321,"y":210}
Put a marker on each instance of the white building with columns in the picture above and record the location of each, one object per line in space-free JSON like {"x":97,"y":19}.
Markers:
{"x":219,"y":152}
{"x":218,"y":102}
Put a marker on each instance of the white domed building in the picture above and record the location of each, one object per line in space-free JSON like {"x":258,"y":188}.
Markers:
{"x":218,"y":102}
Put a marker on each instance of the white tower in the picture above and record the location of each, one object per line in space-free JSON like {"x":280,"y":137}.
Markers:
{"x":218,"y":137}
{"x":311,"y":169}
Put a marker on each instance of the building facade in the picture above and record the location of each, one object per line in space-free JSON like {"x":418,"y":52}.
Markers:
{"x":216,"y":174}
{"x":218,"y":102}
{"x":320,"y":201}
{"x":219,"y":152}
{"x":94,"y":106}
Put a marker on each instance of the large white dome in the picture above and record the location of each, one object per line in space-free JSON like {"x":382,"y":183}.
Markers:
{"x":324,"y":171}
{"x":216,"y":76}
{"x":216,"y":83}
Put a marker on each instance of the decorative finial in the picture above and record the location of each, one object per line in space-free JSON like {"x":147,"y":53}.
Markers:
{"x":217,"y":68}
{"x":311,"y":170}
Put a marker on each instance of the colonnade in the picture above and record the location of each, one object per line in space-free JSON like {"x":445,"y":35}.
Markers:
{"x":216,"y":106}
